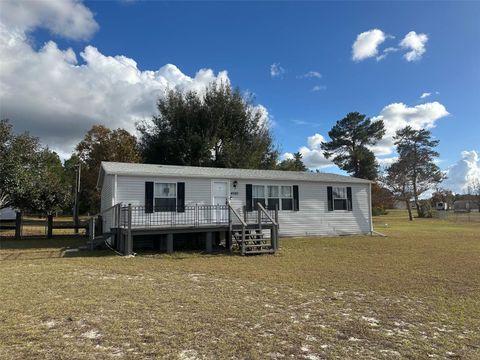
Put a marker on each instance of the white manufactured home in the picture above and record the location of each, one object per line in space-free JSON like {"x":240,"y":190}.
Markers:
{"x":158,"y":198}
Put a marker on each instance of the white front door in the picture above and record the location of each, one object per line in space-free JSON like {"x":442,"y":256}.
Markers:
{"x":220,"y":197}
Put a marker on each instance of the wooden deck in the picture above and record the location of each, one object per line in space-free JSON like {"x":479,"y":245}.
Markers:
{"x":119,"y":225}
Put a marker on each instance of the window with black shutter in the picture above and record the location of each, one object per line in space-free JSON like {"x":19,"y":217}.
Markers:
{"x":296,"y":199}
{"x":149,"y":196}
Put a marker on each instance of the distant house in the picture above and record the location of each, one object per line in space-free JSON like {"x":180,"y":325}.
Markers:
{"x":165,"y":197}
{"x":8,"y":214}
{"x":465,"y":205}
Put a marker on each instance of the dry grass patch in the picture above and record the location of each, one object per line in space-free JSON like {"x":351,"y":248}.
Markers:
{"x":415,"y":294}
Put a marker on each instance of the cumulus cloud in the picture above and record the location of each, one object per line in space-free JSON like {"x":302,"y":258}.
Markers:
{"x":276,"y":70}
{"x":58,"y":95}
{"x":312,"y":154}
{"x":398,"y":115}
{"x":310,"y":75}
{"x":464,"y":174}
{"x":366,"y":44}
{"x":67,"y":18}
{"x":416,"y":44}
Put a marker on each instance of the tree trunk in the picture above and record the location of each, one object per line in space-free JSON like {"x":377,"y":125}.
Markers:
{"x":407,"y":202}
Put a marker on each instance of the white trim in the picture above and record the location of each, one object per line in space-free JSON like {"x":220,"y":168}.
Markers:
{"x":212,"y":192}
{"x":370,"y":205}
{"x":165,"y":197}
{"x":115,"y":190}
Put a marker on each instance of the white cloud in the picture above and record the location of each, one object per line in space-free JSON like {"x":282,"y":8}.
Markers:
{"x":385,"y":53}
{"x":67,"y":18}
{"x":310,"y":75}
{"x":416,"y":44}
{"x":366,"y":44}
{"x":58,"y":95}
{"x":318,"y":88}
{"x":312,"y":154}
{"x":464,"y":173}
{"x":276,"y":70}
{"x":398,"y":115}
{"x":425,"y":95}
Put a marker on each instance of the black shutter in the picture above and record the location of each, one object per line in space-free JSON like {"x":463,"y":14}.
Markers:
{"x":296,"y":202}
{"x":149,"y":197}
{"x":181,"y":197}
{"x":248,"y":197}
{"x":330,"y":198}
{"x":349,"y":198}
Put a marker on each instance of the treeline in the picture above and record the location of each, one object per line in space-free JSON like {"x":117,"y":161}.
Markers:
{"x":221,"y":128}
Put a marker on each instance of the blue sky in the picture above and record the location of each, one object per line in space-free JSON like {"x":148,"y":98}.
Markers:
{"x":246,"y":39}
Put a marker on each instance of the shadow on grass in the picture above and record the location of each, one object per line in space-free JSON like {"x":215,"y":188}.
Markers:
{"x":41,"y":248}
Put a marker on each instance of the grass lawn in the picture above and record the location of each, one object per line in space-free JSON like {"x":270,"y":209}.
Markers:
{"x":414,"y":294}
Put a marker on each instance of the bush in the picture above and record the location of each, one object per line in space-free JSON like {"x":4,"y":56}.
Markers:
{"x":378,"y":210}
{"x":426,"y":210}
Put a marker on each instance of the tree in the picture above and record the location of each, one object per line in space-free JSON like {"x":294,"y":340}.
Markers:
{"x":416,"y":151}
{"x":31,"y":177}
{"x":221,"y":128}
{"x":19,"y":167}
{"x":348,"y":148}
{"x":443,"y":196}
{"x":382,"y":198}
{"x":397,"y":181}
{"x":295,"y":164}
{"x":53,"y":189}
{"x":100,"y":144}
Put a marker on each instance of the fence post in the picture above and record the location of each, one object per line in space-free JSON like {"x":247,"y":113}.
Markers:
{"x":49,"y":226}
{"x":18,"y":225}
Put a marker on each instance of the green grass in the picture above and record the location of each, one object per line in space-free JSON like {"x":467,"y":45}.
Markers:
{"x":414,"y":294}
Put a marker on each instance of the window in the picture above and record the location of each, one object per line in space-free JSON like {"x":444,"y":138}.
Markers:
{"x":165,"y":195}
{"x":273,"y":200}
{"x":340,"y":198}
{"x":287,"y":198}
{"x":272,"y":196}
{"x":258,"y":195}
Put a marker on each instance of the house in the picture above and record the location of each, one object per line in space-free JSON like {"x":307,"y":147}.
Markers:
{"x":465,"y":205}
{"x":161,"y":199}
{"x":8,"y":214}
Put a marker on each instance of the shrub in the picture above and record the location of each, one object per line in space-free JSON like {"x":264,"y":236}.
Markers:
{"x":378,"y":210}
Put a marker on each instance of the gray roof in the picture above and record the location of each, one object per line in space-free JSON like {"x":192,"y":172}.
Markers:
{"x":218,"y":173}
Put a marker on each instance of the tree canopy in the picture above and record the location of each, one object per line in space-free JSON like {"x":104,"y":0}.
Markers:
{"x":31,"y":176}
{"x":348,"y":148}
{"x":415,"y":148}
{"x":222,"y":128}
{"x":294,"y":164}
{"x":100,"y":144}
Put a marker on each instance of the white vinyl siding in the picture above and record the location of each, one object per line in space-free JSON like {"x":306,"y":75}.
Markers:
{"x":313,"y":217}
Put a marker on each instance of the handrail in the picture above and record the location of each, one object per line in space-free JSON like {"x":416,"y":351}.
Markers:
{"x":266,"y":213}
{"x":236,"y":214}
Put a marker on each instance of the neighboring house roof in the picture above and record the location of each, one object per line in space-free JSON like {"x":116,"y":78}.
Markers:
{"x":132,"y":169}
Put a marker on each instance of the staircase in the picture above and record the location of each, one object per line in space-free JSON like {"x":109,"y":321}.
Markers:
{"x":252,"y":242}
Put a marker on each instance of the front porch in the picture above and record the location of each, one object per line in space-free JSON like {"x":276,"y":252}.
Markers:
{"x":120,"y":226}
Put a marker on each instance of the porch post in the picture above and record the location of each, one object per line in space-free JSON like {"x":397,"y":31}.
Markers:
{"x":209,"y":242}
{"x":169,"y":243}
